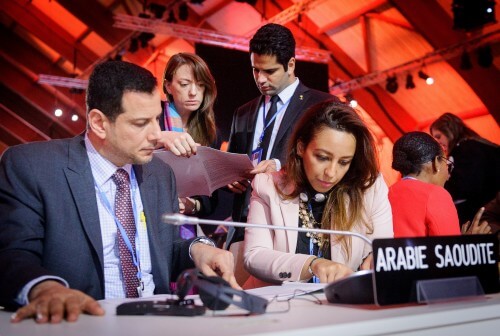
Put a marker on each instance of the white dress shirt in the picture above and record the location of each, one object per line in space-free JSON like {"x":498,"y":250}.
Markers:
{"x":281,"y":107}
{"x":103,"y":170}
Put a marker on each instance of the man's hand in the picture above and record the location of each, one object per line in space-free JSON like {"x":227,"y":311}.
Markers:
{"x":179,"y":143}
{"x":477,"y":227}
{"x":50,"y":301}
{"x":266,"y":166}
{"x":188,"y":206}
{"x":239,"y":187}
{"x":213,"y":261}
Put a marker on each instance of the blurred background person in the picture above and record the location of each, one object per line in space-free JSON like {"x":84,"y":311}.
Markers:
{"x":330,"y":181}
{"x":191,"y":92}
{"x":420,"y":205}
{"x":475,"y":178}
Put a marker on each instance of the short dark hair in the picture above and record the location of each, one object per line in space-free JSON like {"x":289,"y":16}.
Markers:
{"x":110,"y":80}
{"x":275,"y":40}
{"x":413,"y":150}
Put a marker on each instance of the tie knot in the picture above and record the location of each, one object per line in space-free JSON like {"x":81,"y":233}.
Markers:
{"x":274,"y":99}
{"x":121,"y":178}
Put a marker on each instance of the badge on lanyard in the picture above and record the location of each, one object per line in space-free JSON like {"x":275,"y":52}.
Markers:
{"x":256,"y":156}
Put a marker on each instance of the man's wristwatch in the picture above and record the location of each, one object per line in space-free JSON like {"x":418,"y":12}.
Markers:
{"x":202,"y":240}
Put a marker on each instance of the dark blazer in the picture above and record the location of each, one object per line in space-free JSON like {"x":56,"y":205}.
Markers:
{"x":208,"y":203}
{"x":476,"y":176}
{"x":242,"y":133}
{"x":49,"y":222}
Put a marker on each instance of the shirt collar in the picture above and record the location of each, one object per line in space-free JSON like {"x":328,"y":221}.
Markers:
{"x":102,"y":168}
{"x":287,"y":93}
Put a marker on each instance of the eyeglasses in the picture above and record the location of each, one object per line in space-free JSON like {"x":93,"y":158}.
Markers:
{"x":449,"y":163}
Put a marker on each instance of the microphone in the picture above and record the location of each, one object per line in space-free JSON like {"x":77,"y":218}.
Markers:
{"x":354,"y":289}
{"x":180,"y":219}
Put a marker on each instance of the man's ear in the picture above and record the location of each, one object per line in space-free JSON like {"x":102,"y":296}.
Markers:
{"x":98,"y":123}
{"x":300,"y":148}
{"x":291,"y":66}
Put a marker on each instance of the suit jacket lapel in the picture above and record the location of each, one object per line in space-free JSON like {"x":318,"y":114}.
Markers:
{"x":290,"y":214}
{"x":148,"y":187}
{"x":81,"y":182}
{"x":252,"y":121}
{"x":294,"y":109}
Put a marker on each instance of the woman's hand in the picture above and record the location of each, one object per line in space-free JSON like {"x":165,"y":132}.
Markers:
{"x":327,"y":270}
{"x":477,"y":226}
{"x":189,"y":206}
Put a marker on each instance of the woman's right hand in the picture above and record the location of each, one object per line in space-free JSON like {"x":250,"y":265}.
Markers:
{"x":328,"y":271}
{"x":477,"y":226}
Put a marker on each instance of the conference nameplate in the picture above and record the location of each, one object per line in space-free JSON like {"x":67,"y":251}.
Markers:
{"x":405,"y":267}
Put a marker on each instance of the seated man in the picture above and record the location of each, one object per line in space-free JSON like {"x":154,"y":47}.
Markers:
{"x":80,"y":218}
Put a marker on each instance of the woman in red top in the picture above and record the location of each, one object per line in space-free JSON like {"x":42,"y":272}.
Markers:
{"x":420,"y":204}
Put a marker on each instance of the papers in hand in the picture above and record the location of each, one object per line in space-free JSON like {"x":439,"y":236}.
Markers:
{"x":208,"y":170}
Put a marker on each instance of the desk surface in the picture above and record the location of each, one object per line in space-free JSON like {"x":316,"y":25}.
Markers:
{"x":305,"y":317}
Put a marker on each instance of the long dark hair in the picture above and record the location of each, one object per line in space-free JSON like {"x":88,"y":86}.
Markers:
{"x":344,"y":206}
{"x":454,"y":129}
{"x":201,"y":123}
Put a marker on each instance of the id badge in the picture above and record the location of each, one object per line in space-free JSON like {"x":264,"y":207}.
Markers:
{"x":256,"y":156}
{"x":140,"y":289}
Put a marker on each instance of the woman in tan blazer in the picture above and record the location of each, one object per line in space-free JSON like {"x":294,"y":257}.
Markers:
{"x":330,"y":181}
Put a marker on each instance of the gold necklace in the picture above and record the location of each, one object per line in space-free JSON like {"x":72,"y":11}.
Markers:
{"x":309,"y":222}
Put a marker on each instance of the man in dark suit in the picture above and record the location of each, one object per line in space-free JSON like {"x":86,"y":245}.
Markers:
{"x":60,"y":222}
{"x":259,"y":129}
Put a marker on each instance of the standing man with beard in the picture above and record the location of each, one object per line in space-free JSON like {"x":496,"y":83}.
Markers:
{"x":261,"y":127}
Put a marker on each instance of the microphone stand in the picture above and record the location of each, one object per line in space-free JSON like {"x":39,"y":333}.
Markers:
{"x":180,"y":219}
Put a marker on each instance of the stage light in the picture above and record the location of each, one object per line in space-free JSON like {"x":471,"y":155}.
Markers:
{"x":74,"y":117}
{"x":134,"y":45}
{"x":350,"y":98}
{"x":157,"y":10}
{"x":58,"y":112}
{"x":484,"y":56}
{"x":250,"y":2}
{"x":144,"y":38}
{"x":171,"y":17}
{"x":465,"y":63}
{"x":392,"y":84}
{"x":183,"y":11}
{"x":428,"y":79}
{"x":473,"y":14}
{"x":410,"y":84}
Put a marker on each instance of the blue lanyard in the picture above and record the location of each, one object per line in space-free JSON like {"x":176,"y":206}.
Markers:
{"x":409,"y":178}
{"x":282,"y":108}
{"x":107,"y":205}
{"x":315,"y":279}
{"x":166,"y":117}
